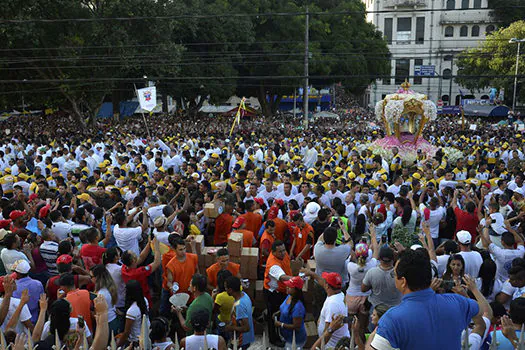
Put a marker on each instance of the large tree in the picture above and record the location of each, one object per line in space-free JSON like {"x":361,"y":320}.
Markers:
{"x":340,"y":41}
{"x":75,"y":64}
{"x":493,"y":64}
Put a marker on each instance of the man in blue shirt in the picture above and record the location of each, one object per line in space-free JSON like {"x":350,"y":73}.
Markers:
{"x":424,"y":319}
{"x":242,"y":313}
{"x":34,"y":287}
{"x":508,"y":339}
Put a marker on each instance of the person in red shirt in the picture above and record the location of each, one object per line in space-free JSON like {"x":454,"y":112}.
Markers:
{"x":64,"y":265}
{"x":303,"y":238}
{"x":132,"y":271}
{"x":223,"y":263}
{"x":267,"y":239}
{"x":91,"y":252}
{"x":247,"y":236}
{"x":468,"y":219}
{"x":253,"y":221}
{"x":223,"y":226}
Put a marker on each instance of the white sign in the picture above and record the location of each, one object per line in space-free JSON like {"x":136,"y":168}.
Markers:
{"x":473,"y":127}
{"x":147,"y":98}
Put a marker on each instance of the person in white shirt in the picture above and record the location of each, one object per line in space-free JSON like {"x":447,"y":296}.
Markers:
{"x":334,"y":192}
{"x":138,"y":306}
{"x":128,"y":238}
{"x":505,"y":255}
{"x":334,"y":304}
{"x":473,"y":260}
{"x":60,"y":227}
{"x":24,"y":319}
{"x":396,"y":186}
{"x":268,"y":192}
{"x":10,"y":254}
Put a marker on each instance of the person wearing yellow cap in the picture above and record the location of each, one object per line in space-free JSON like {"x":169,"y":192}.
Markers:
{"x":7,"y":182}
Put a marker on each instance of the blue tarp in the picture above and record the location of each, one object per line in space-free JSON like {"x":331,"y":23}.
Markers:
{"x":486,"y":110}
{"x":106,"y":110}
{"x":128,"y":108}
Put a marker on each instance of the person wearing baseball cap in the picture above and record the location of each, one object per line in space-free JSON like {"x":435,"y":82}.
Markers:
{"x":292,"y":313}
{"x":334,"y":305}
{"x":34,"y":287}
{"x":380,"y":280}
{"x":278,"y":270}
{"x":64,"y":264}
{"x":239,"y":226}
{"x":473,"y":259}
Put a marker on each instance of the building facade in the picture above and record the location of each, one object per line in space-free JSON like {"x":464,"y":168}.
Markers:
{"x":428,"y":33}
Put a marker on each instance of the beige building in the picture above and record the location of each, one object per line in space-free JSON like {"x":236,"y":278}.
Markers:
{"x":428,"y":33}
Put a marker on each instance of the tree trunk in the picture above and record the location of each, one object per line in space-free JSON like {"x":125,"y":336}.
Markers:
{"x":261,"y":95}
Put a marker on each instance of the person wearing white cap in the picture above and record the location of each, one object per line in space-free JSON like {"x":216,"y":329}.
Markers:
{"x":503,"y":256}
{"x":34,"y":287}
{"x":473,"y":260}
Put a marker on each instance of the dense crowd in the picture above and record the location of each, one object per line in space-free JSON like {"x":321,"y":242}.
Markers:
{"x":103,"y":223}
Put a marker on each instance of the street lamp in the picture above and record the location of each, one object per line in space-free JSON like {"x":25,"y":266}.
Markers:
{"x":514,"y":41}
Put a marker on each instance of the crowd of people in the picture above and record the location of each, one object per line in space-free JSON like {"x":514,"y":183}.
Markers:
{"x":103,"y":223}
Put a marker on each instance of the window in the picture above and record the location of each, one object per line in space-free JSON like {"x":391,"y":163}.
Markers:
{"x":404,"y":30}
{"x":402,"y":70}
{"x":458,"y":100}
{"x":477,"y":4}
{"x":388,"y":30}
{"x":449,"y":32}
{"x":418,"y":80}
{"x":447,"y":58}
{"x":485,"y":97}
{"x":420,"y":30}
{"x":447,"y":74}
{"x":463,"y":31}
{"x":444,"y":98}
{"x":475,"y":30}
{"x":464,"y":4}
{"x":490,"y":28}
{"x":451,"y":4}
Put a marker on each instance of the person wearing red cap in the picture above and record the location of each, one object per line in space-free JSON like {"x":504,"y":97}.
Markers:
{"x":292,"y":313}
{"x":278,"y":270}
{"x":253,"y":221}
{"x":334,"y":304}
{"x":303,"y":238}
{"x":247,"y":236}
{"x":64,"y":264}
{"x":19,"y":223}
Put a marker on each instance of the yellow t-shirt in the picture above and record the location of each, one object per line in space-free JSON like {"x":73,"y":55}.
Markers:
{"x":225,"y":303}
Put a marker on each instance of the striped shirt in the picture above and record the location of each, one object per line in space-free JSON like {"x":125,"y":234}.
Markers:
{"x":49,"y":252}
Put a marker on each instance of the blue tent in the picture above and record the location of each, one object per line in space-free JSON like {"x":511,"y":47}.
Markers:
{"x":128,"y":108}
{"x":106,"y":110}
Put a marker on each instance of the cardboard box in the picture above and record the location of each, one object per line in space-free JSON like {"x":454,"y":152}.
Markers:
{"x":199,"y":245}
{"x":249,"y":263}
{"x":296,"y":266}
{"x":235,"y":244}
{"x":209,"y":259}
{"x":311,"y":264}
{"x":213,"y":209}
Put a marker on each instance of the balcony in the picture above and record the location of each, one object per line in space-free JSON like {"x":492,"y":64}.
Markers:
{"x":405,"y":3}
{"x":464,"y":17}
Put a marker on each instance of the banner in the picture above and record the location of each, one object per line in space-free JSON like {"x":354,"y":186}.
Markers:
{"x":147,"y":98}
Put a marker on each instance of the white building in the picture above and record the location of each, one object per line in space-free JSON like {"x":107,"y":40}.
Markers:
{"x":428,"y":33}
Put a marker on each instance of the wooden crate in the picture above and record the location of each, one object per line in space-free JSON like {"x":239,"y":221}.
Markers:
{"x":249,"y":262}
{"x":199,"y":245}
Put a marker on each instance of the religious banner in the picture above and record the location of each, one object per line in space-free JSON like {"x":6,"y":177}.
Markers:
{"x":147,"y":98}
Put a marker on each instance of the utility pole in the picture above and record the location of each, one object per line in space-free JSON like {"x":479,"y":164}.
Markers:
{"x":294,"y":101}
{"x":306,"y":53}
{"x":451,"y":79}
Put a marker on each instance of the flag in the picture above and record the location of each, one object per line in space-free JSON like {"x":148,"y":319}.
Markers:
{"x":147,"y":98}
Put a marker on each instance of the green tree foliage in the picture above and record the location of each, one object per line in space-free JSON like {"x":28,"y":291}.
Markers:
{"x":193,"y":49}
{"x":493,"y":64}
{"x":506,"y":12}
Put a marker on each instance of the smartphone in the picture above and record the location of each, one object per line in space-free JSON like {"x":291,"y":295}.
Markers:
{"x":447,"y":285}
{"x":383,"y":239}
{"x":347,"y":320}
{"x":81,"y":322}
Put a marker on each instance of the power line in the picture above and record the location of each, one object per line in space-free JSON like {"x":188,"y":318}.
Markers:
{"x":236,"y":14}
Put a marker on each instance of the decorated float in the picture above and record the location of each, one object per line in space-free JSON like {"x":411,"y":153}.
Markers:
{"x":404,"y":115}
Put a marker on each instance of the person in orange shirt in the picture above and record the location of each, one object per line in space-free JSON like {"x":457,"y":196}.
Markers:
{"x":267,"y":239}
{"x":223,"y":263}
{"x":78,"y":298}
{"x":253,"y":221}
{"x":223,"y":226}
{"x":247,"y":236}
{"x":303,"y":238}
{"x":278,"y":270}
{"x":181,"y":267}
{"x":165,"y":306}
